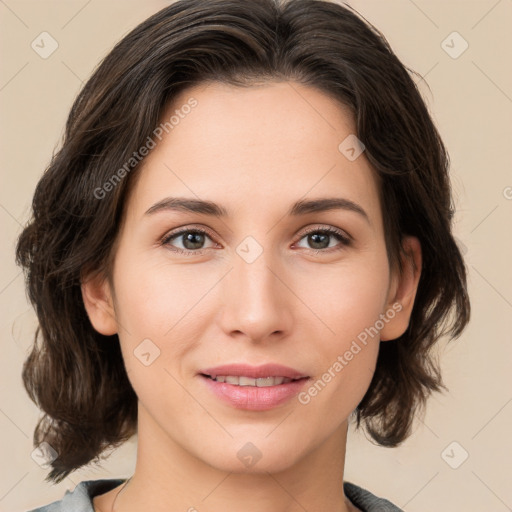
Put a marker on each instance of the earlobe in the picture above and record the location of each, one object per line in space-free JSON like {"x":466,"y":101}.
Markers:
{"x":97,"y":297}
{"x":403,"y":292}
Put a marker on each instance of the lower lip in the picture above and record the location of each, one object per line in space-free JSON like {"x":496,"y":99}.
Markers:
{"x":254,"y":398}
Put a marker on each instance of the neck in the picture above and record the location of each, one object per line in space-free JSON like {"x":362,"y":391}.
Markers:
{"x":168,"y":477}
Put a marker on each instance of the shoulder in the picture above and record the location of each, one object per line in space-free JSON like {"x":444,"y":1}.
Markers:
{"x":80,"y":498}
{"x":367,"y":501}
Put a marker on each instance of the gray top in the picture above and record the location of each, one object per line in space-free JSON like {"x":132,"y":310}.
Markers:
{"x":80,"y":499}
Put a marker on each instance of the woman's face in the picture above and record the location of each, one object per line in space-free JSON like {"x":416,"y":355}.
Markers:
{"x":277,"y":279}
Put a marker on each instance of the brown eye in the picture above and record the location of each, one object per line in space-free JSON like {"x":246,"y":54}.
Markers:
{"x":192,"y":240}
{"x":319,"y":239}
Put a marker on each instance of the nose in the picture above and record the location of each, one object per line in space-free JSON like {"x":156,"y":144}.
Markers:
{"x":256,"y":299}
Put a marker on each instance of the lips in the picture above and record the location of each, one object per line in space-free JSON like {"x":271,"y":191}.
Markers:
{"x":253,"y":372}
{"x":256,"y":388}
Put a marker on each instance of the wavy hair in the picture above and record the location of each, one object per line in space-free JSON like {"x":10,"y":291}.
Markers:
{"x":75,"y":375}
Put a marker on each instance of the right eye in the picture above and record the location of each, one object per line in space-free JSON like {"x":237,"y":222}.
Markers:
{"x":191,"y":239}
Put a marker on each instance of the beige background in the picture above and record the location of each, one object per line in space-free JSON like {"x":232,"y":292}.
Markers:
{"x":470,"y":98}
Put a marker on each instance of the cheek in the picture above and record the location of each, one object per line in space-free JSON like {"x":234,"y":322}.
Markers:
{"x":157,"y":311}
{"x":347,"y":298}
{"x":156,"y":298}
{"x":157,"y":330}
{"x":349,"y":302}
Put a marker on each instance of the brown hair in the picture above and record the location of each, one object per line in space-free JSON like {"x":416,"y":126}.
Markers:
{"x":75,"y":375}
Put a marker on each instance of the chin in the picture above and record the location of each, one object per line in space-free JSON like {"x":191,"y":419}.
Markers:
{"x":260,"y":467}
{"x":258,"y":457}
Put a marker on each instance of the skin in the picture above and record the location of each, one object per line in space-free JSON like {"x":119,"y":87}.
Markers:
{"x":254,"y":151}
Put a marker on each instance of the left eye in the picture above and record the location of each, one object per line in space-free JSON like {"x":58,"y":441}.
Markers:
{"x":318,"y":237}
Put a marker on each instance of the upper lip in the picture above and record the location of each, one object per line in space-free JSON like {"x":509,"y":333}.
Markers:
{"x":255,"y":372}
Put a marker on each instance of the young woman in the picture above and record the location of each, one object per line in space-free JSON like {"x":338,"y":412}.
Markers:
{"x":243,"y":243}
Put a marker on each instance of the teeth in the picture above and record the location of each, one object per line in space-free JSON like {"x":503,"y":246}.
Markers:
{"x":248,"y":381}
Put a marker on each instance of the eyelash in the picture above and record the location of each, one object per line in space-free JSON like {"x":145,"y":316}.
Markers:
{"x":339,"y":235}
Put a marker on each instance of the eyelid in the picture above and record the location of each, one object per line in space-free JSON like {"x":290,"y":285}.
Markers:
{"x":328,"y":229}
{"x":184,"y":229}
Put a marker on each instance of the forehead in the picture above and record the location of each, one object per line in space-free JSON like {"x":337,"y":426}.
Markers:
{"x":263,"y":147}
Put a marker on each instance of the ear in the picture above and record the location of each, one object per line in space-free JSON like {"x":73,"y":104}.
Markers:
{"x":403,"y":290}
{"x":97,"y":297}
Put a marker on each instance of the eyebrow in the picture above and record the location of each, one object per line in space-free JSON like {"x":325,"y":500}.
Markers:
{"x":301,"y":207}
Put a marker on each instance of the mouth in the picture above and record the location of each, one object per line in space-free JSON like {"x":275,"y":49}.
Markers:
{"x":254,"y":388}
{"x":260,"y":382}
{"x":246,"y":371}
